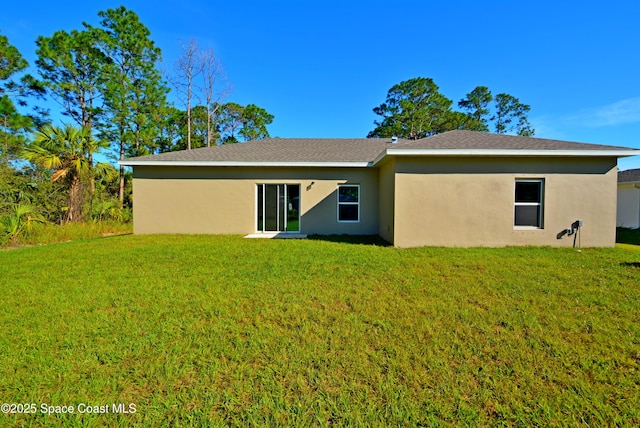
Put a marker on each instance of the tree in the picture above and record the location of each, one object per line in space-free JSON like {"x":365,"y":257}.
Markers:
{"x":254,"y":123}
{"x":508,"y":109}
{"x":70,"y":67}
{"x":149,"y":101}
{"x":10,"y":62}
{"x":414,"y":109}
{"x":215,"y":87}
{"x":13,"y":125}
{"x":134,"y":93}
{"x":188,"y":66}
{"x":249,"y":123}
{"x":230,"y":122}
{"x":476,"y":106}
{"x":64,"y":152}
{"x":195,"y":63}
{"x":233,"y":123}
{"x":13,"y":129}
{"x":171,"y":124}
{"x":200,"y":126}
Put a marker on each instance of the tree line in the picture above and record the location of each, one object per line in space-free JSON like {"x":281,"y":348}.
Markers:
{"x":106,"y":82}
{"x":416,"y":109}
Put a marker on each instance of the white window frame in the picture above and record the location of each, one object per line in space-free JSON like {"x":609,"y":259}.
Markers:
{"x":539,"y":204}
{"x":348,"y":203}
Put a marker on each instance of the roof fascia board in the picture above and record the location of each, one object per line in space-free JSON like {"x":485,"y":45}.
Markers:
{"x":247,"y":163}
{"x":512,"y":152}
{"x":396,"y":152}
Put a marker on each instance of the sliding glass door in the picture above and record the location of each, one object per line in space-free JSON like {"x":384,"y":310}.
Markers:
{"x":278,"y":207}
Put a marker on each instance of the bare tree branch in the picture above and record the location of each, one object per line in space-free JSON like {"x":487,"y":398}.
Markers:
{"x":187,"y":67}
{"x":216,"y":88}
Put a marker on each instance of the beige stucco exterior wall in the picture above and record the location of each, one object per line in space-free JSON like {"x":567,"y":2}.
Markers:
{"x":219,"y":200}
{"x":628,"y":214}
{"x":470,"y":201}
{"x":386,"y":186}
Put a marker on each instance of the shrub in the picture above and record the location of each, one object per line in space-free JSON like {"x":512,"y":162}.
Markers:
{"x":19,"y":221}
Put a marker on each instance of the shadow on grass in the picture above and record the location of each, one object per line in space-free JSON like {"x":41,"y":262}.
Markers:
{"x":373,"y":240}
{"x":631,"y":264}
{"x":628,"y":236}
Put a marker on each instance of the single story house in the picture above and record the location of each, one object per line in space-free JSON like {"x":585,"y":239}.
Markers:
{"x":629,"y":198}
{"x":459,"y":188}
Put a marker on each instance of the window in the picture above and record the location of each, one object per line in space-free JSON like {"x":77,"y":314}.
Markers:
{"x":278,"y":207}
{"x":349,"y":203}
{"x":528,"y":203}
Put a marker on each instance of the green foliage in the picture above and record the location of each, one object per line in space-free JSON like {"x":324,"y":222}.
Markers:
{"x":133,"y":89}
{"x":104,"y":204}
{"x":476,"y":105}
{"x":45,"y":233}
{"x":247,"y":122}
{"x":416,"y":109}
{"x":233,"y":123}
{"x":508,"y":109}
{"x":175,"y":129}
{"x":172,"y":124}
{"x":230,"y":122}
{"x":110,"y":210}
{"x":18,"y":221}
{"x":11,"y":61}
{"x":70,"y":67}
{"x":106,"y":79}
{"x":199,"y":116}
{"x":254,"y":124}
{"x":66,"y":152}
{"x":31,"y":186}
{"x":13,"y":125}
{"x":320,"y":333}
{"x":13,"y":129}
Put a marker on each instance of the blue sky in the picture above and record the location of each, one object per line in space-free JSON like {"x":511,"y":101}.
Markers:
{"x":321,"y":66}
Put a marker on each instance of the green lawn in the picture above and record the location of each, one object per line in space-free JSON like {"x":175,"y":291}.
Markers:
{"x":220,"y":330}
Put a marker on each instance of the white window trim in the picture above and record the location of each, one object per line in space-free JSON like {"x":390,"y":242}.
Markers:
{"x":347,"y":203}
{"x":530,"y":204}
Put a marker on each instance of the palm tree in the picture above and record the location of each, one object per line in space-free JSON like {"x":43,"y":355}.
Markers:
{"x":20,"y":218}
{"x":68,"y":152}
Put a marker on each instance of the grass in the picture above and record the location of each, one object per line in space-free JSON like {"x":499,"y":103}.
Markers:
{"x":49,"y":233}
{"x":218,"y":331}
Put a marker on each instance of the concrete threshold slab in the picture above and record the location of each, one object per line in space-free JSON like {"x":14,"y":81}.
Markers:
{"x":276,"y":235}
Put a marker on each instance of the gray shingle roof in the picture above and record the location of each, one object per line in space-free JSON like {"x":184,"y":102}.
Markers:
{"x":284,"y":150}
{"x":486,"y":141}
{"x":359,"y":150}
{"x":629,"y":175}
